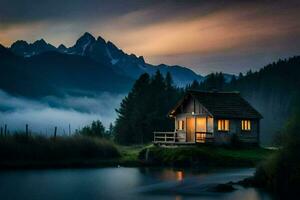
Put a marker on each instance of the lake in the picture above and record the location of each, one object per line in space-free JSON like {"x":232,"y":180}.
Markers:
{"x":123,"y":183}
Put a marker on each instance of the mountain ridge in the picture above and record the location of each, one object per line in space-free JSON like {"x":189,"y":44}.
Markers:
{"x":107,"y":52}
{"x":52,"y":73}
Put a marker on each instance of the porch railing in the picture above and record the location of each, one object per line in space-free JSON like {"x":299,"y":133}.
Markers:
{"x":165,"y":137}
{"x":173,"y":137}
{"x":202,"y":137}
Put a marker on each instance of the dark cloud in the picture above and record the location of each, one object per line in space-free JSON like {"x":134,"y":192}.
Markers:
{"x":24,"y":11}
{"x":204,"y":35}
{"x":19,"y":11}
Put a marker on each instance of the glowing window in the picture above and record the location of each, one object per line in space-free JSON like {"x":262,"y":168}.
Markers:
{"x":180,"y":124}
{"x":246,"y":125}
{"x":223,"y":125}
{"x":201,"y":124}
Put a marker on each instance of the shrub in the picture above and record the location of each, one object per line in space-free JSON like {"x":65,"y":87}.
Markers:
{"x":96,"y":129}
{"x":19,"y":147}
{"x":281,"y":172}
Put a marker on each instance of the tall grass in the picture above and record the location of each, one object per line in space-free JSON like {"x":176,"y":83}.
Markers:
{"x":281,"y":172}
{"x":19,"y":147}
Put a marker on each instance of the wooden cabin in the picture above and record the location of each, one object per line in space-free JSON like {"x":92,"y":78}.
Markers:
{"x":212,"y":117}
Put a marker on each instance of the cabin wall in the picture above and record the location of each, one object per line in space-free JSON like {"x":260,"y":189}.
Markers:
{"x":191,"y":108}
{"x":181,"y":134}
{"x":235,"y":127}
{"x":224,"y":137}
{"x":192,"y":105}
{"x":251,"y":136}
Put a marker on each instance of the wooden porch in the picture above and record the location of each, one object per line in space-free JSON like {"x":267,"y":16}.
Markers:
{"x":172,"y":138}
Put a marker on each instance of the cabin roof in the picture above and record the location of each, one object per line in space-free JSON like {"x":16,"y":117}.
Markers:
{"x":221,"y":104}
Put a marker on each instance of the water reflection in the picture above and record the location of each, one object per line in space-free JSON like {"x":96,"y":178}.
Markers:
{"x":165,"y":174}
{"x":177,"y":197}
{"x":122,"y":183}
{"x":199,"y":185}
{"x":179,"y":175}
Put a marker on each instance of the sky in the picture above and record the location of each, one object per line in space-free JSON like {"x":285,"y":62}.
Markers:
{"x":206,"y":36}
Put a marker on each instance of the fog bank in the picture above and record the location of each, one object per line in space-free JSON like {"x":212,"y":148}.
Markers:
{"x":44,"y":114}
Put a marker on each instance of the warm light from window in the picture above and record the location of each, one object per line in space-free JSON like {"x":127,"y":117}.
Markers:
{"x":201,"y":124}
{"x":246,"y":125}
{"x":180,"y":124}
{"x":223,"y":125}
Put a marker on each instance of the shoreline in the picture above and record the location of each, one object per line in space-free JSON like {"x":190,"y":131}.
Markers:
{"x":134,"y":156}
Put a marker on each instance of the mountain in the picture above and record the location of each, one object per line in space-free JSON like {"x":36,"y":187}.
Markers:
{"x":54,"y":73}
{"x":22,"y":48}
{"x":273,"y":90}
{"x":5,"y":53}
{"x":78,"y":73}
{"x":17,"y":79}
{"x":107,"y":53}
{"x":91,"y":65}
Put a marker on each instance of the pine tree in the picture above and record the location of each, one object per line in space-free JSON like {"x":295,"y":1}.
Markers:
{"x":145,"y":109}
{"x":195,"y":85}
{"x":169,"y":81}
{"x":131,"y":112}
{"x":96,"y":129}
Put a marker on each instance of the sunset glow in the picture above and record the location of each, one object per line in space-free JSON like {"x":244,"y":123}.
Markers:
{"x":201,"y":36}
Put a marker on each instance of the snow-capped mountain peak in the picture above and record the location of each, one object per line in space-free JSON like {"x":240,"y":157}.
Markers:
{"x":108,"y":53}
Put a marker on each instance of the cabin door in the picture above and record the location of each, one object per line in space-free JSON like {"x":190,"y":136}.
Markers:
{"x":190,"y":129}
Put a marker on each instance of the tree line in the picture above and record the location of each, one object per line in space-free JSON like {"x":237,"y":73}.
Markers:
{"x":144,"y":110}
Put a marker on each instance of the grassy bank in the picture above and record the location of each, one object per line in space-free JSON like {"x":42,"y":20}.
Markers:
{"x":200,"y":156}
{"x":20,"y":151}
{"x":130,"y":155}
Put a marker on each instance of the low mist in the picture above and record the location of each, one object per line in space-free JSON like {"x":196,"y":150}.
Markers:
{"x":44,"y":114}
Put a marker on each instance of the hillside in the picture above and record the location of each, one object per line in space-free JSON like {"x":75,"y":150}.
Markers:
{"x":53,"y":73}
{"x":271,"y":90}
{"x":16,"y":79}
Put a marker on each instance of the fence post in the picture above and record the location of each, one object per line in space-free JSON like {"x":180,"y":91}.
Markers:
{"x":55,"y":130}
{"x":26,"y":130}
{"x":5,"y":129}
{"x":69,"y":129}
{"x":1,"y":131}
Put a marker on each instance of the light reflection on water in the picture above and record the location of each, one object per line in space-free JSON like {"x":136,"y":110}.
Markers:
{"x":179,"y":175}
{"x":123,"y":183}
